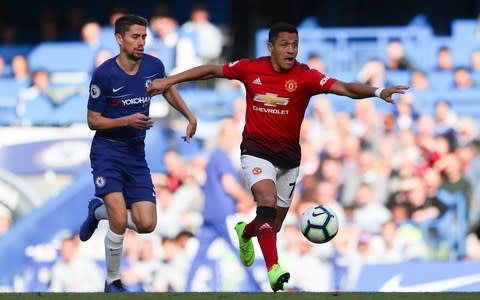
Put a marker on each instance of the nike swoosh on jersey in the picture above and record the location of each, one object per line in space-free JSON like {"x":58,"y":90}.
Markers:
{"x":394,"y":284}
{"x":117,"y":89}
{"x":150,"y":76}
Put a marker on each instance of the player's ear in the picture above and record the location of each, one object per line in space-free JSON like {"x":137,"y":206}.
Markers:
{"x":119,"y":38}
{"x":270,"y":47}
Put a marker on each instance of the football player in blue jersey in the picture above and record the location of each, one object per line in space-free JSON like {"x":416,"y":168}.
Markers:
{"x":118,"y":112}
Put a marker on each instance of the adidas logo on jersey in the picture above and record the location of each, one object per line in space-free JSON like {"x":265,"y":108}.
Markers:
{"x":257,"y":81}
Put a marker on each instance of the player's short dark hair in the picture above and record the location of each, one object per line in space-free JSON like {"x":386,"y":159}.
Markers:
{"x":280,"y":27}
{"x":124,"y":23}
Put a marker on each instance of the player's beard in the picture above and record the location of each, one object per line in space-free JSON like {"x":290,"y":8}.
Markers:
{"x":134,"y":56}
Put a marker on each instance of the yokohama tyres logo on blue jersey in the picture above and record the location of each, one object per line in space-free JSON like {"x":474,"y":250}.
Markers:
{"x":135,"y":101}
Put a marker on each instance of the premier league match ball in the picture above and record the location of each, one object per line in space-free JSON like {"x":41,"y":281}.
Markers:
{"x":319,"y":224}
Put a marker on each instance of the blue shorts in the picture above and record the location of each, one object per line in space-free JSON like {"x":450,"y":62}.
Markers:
{"x":120,"y":167}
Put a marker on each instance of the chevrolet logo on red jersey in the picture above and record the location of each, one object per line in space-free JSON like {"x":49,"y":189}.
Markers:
{"x":269,"y":99}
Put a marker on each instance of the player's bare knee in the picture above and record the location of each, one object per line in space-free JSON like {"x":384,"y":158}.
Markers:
{"x":145,"y":226}
{"x":118,"y":225}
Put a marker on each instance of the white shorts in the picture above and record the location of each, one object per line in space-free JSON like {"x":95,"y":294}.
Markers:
{"x":256,"y":169}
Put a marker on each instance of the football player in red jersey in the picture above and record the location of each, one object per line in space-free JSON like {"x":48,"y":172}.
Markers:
{"x":278,"y":89}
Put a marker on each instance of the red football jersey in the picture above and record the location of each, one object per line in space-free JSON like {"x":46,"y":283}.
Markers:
{"x":276,"y":104}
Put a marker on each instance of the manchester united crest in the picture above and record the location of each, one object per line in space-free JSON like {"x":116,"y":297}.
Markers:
{"x":290,"y":85}
{"x":256,"y":171}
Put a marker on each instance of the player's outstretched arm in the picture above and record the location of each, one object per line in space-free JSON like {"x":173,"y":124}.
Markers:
{"x":204,"y":72}
{"x":359,"y":91}
{"x":176,"y":101}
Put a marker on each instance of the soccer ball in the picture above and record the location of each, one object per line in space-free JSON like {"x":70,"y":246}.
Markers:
{"x":319,"y":224}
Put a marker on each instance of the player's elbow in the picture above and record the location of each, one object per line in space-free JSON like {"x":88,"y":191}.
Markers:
{"x":92,"y":124}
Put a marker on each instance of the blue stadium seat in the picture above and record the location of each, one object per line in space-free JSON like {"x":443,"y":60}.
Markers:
{"x":465,"y":29}
{"x":365,"y":42}
{"x":107,"y":39}
{"x":72,"y":111}
{"x":476,"y":78}
{"x":38,"y":111}
{"x":441,"y":80}
{"x":62,"y":57}
{"x":397,"y":77}
{"x":463,"y":102}
{"x":208,"y":104}
{"x":165,"y":53}
{"x":9,"y":51}
{"x":9,"y":93}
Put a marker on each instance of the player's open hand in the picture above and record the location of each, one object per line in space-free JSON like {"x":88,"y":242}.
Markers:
{"x":140,"y":121}
{"x":158,"y":86}
{"x":388,"y":92}
{"x":191,"y":129}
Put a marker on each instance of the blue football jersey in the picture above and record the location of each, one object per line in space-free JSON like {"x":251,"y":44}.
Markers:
{"x":114,"y":94}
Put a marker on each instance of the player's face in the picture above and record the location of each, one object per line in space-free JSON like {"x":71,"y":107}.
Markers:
{"x":133,"y":42}
{"x":283,"y":51}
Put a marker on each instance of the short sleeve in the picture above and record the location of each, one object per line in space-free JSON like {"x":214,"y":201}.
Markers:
{"x":235,"y":69}
{"x":319,"y":82}
{"x":98,"y":87}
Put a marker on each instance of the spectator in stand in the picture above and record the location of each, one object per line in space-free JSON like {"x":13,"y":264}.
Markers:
{"x":175,"y":262}
{"x":466,"y":130}
{"x":405,"y":113}
{"x":101,"y":56}
{"x":41,"y":86}
{"x":369,"y":214}
{"x":5,"y":219}
{"x":74,"y":273}
{"x":468,"y":155}
{"x":306,"y":262}
{"x":372,"y":73}
{"x":328,"y":172}
{"x":165,"y":29}
{"x":445,"y":118}
{"x":3,"y":67}
{"x":475,"y":60}
{"x":396,"y":59}
{"x":369,"y":173}
{"x":90,"y":33}
{"x":138,"y":277}
{"x":462,"y":78}
{"x":419,"y":80}
{"x":208,"y":35}
{"x":423,"y":208}
{"x":20,"y":69}
{"x":387,"y":247}
{"x":326,"y":193}
{"x":444,"y":59}
{"x":457,"y":194}
{"x":321,"y":123}
{"x":316,"y":62}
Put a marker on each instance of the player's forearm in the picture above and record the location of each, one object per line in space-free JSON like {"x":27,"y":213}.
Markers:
{"x":359,"y":91}
{"x":103,"y":123}
{"x":202,"y":72}
{"x":176,"y":101}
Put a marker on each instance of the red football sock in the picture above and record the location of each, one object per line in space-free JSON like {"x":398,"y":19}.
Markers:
{"x":249,"y":231}
{"x":267,"y":238}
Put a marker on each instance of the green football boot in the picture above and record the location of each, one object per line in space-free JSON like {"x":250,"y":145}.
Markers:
{"x":277,"y":277}
{"x":247,"y":252}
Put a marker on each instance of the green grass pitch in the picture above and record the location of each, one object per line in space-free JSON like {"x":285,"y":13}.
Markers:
{"x":240,"y":296}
